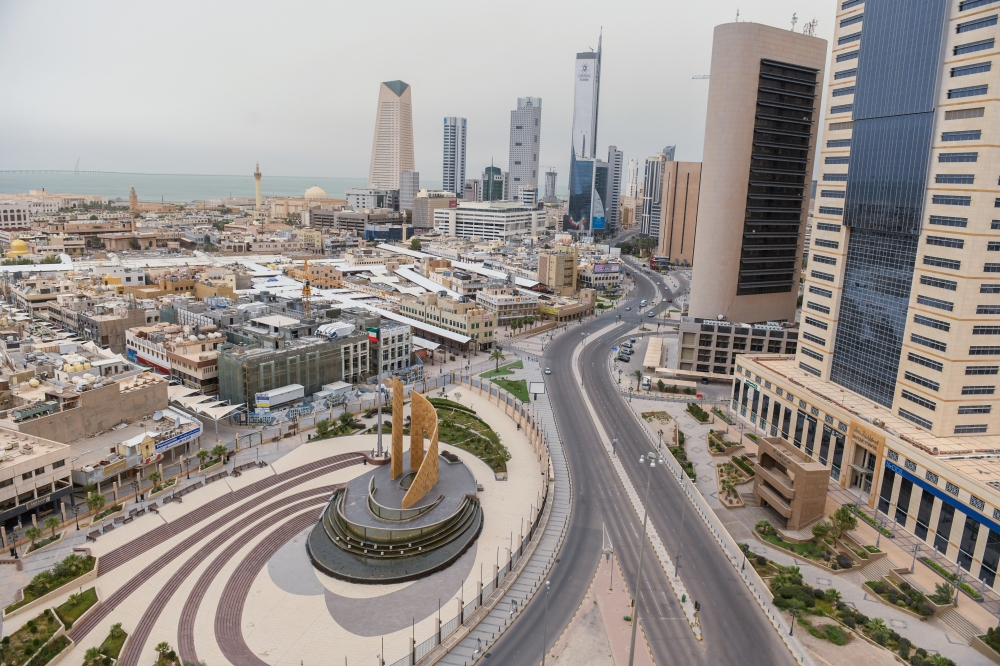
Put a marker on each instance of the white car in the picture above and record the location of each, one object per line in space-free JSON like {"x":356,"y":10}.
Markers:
{"x":548,"y":371}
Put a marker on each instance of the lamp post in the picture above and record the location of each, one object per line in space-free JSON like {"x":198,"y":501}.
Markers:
{"x":76,"y":515}
{"x":642,"y":547}
{"x":659,"y":446}
{"x":794,"y":613}
{"x":545,"y":622}
{"x":135,"y":487}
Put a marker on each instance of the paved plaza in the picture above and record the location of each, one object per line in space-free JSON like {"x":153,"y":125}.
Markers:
{"x":224,"y":576}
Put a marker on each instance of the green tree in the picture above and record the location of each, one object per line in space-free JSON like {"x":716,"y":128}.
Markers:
{"x":323,"y":428}
{"x":842,"y":520}
{"x":415,"y":244}
{"x":117,"y":631}
{"x":764,"y":527}
{"x":162,"y":648}
{"x":203,"y":455}
{"x":32,"y":533}
{"x":95,"y":501}
{"x":92,"y":657}
{"x":345,"y":419}
{"x":638,"y":378}
{"x":155,"y":478}
{"x":219,"y":450}
{"x":51,"y":523}
{"x":878,"y":630}
{"x":820,"y":530}
{"x":497,"y":355}
{"x":51,"y":259}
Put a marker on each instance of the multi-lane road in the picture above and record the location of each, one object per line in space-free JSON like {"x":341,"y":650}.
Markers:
{"x":734,"y":628}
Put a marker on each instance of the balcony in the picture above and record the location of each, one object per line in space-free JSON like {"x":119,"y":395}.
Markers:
{"x":777,"y":479}
{"x":775,"y":501}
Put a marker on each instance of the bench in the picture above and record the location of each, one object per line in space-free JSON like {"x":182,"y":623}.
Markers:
{"x":93,"y":535}
{"x":152,"y":507}
{"x":108,"y":528}
{"x":119,"y":519}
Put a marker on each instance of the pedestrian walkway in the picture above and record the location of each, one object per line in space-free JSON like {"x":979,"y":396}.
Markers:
{"x":477,"y":643}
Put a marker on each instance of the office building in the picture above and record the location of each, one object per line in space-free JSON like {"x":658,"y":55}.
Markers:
{"x":632,"y":184}
{"x":557,"y":270}
{"x":679,"y":211}
{"x":586,"y":94}
{"x":489,"y":220}
{"x":525,"y":134}
{"x":612,"y":204}
{"x":894,"y":367}
{"x":760,"y":142}
{"x":508,"y":304}
{"x":392,"y":146}
{"x":652,"y":199}
{"x":711,"y":347}
{"x":550,"y":187}
{"x":362,"y":199}
{"x":460,"y":315}
{"x":453,"y":163}
{"x":493,"y":184}
{"x":473,"y":190}
{"x":409,"y":185}
{"x":428,"y":201}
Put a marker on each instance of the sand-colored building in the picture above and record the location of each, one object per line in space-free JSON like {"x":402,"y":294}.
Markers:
{"x":679,"y":211}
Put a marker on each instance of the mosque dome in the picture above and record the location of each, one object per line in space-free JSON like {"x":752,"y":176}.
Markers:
{"x":315,"y":192}
{"x":17,"y":248}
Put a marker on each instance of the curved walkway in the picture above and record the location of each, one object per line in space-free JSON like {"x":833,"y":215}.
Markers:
{"x":161,"y":534}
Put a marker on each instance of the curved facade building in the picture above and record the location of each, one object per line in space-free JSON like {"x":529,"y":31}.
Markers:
{"x":760,"y":142}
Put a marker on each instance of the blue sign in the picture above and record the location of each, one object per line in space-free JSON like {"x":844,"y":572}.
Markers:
{"x":183,"y":438}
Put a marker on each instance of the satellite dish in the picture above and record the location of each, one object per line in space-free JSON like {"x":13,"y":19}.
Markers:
{"x":157,"y":416}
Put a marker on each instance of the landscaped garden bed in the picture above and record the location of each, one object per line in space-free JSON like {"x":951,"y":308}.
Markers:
{"x":745,"y":464}
{"x":727,"y":477}
{"x":649,"y":417}
{"x":344,"y":425}
{"x":42,"y":543}
{"x":162,"y":487}
{"x":516,"y":387}
{"x":868,"y":519}
{"x":109,"y":512}
{"x":952,"y":578}
{"x":822,"y":549}
{"x":722,"y":415}
{"x":507,"y":369}
{"x":992,"y":639}
{"x":680,"y":454}
{"x":718,"y":445}
{"x":462,"y":428}
{"x":68,"y":569}
{"x":699,"y":414}
{"x":112,"y":645}
{"x":909,"y":600}
{"x":76,"y":606}
{"x":25,"y":643}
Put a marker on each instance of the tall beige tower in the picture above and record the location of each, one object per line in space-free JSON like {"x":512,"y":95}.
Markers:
{"x":392,"y":147}
{"x":760,"y":141}
{"x":256,"y":178}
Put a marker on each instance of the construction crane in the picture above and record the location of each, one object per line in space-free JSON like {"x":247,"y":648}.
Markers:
{"x":700,"y":76}
{"x":306,"y":289}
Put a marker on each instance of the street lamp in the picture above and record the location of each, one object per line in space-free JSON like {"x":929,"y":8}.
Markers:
{"x":660,"y":445}
{"x":135,"y":487}
{"x":794,"y":613}
{"x":76,"y":515}
{"x":642,"y":548}
{"x":545,"y":621}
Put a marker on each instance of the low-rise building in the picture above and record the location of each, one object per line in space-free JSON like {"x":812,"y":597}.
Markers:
{"x":461,"y":315}
{"x":395,"y":347}
{"x":790,"y":482}
{"x":508,"y":304}
{"x":600,"y":276}
{"x":568,"y":309}
{"x":427,"y":202}
{"x":710,"y":346}
{"x":488,"y":220}
{"x":557,"y":270}
{"x":34,"y":481}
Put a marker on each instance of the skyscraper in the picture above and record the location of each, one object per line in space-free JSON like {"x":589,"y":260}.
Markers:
{"x":587,"y":86}
{"x":586,"y":93}
{"x":453,"y":165}
{"x":632,"y":186}
{"x":760,"y":142}
{"x":392,"y":146}
{"x":652,"y":189}
{"x":493,"y":182}
{"x":550,"y":186}
{"x":615,"y":160}
{"x":679,"y":211}
{"x":525,"y":134}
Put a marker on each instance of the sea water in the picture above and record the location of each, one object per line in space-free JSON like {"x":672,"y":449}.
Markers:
{"x":172,"y":187}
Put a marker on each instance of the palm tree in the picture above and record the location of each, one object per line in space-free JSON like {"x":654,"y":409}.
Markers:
{"x":162,"y":648}
{"x":92,"y":657}
{"x":51,"y":523}
{"x":95,"y":501}
{"x":32,"y":533}
{"x":497,"y":355}
{"x":638,"y":378}
{"x":203,"y":455}
{"x":219,"y":450}
{"x":116,"y":630}
{"x":155,"y":478}
{"x":729,"y":489}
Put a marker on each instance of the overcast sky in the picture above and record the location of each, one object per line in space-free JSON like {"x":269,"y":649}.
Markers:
{"x":212,"y":87}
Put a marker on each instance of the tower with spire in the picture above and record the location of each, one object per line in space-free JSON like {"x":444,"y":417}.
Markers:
{"x":256,"y":178}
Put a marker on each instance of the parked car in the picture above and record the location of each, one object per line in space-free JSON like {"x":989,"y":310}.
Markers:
{"x":548,"y":371}
{"x":624,"y":358}
{"x":651,"y":314}
{"x":632,"y":340}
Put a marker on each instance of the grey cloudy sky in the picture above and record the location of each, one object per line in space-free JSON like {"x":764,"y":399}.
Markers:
{"x":212,"y":87}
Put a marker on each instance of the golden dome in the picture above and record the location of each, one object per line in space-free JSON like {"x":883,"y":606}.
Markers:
{"x":315,"y":192}
{"x":17,"y":248}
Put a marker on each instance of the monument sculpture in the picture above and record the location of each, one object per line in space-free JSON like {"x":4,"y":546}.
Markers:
{"x":390,"y":525}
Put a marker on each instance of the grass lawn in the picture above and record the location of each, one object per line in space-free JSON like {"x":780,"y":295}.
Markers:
{"x":112,"y":647}
{"x":517,"y":387}
{"x":503,"y":370}
{"x":470,"y":433}
{"x":76,"y":606}
{"x":808,"y":550}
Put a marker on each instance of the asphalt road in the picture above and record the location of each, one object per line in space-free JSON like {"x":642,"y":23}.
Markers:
{"x":735,"y":630}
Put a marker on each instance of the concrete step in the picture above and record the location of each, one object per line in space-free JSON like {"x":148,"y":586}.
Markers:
{"x":960,"y":623}
{"x":877,"y":569}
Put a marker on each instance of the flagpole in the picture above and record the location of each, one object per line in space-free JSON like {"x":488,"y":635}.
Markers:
{"x":378,"y":388}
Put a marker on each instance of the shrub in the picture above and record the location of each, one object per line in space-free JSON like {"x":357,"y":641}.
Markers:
{"x":844,"y":561}
{"x":904,"y":648}
{"x":764,"y":527}
{"x":835,"y":634}
{"x":761,"y":561}
{"x":894,"y":597}
{"x":943,"y":594}
{"x":827,"y":556}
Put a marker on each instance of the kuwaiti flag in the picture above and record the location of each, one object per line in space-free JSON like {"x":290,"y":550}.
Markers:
{"x":373,"y":335}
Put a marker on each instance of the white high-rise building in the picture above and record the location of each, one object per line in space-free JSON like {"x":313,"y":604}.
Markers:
{"x":615,"y":160}
{"x":409,"y":185}
{"x":453,"y":164}
{"x":525,"y":134}
{"x":632,"y":186}
{"x":652,"y":203}
{"x":585,"y":97}
{"x":392,"y":146}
